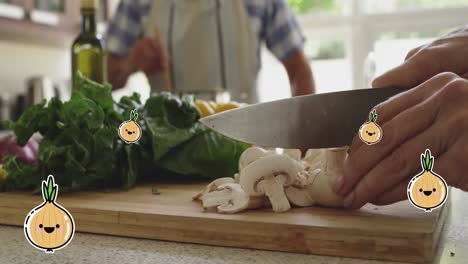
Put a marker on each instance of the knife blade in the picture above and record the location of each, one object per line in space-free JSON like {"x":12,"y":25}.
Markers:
{"x":312,"y":121}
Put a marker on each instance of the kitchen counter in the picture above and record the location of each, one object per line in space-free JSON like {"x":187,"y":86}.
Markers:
{"x":89,"y":248}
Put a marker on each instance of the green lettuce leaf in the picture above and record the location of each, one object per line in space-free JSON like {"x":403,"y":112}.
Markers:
{"x":182,"y":145}
{"x":169,"y":121}
{"x":208,"y":154}
{"x":81,"y":147}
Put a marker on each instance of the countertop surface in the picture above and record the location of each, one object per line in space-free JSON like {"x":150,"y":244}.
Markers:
{"x":89,"y":248}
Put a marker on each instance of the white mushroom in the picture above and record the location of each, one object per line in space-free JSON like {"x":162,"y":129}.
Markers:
{"x":279,"y":180}
{"x":271,"y":165}
{"x":300,"y":196}
{"x":321,"y":189}
{"x":273,"y":188}
{"x":313,"y":156}
{"x":269,"y":175}
{"x":230,"y":198}
{"x":212,"y":186}
{"x":293,"y":153}
{"x":252,"y":154}
{"x":237,"y":178}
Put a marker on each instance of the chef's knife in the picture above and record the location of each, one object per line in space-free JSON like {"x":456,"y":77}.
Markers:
{"x":313,"y":121}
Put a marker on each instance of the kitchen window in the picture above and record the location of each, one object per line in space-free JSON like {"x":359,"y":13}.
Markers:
{"x":11,"y":9}
{"x":349,"y":42}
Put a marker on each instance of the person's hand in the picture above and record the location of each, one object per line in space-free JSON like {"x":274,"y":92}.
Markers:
{"x":448,"y":54}
{"x":433,"y":115}
{"x":148,"y":56}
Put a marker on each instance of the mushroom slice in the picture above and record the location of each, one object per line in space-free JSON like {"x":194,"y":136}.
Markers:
{"x":250,"y":155}
{"x":272,"y":186}
{"x":212,"y":186}
{"x":335,"y":158}
{"x":237,"y":178}
{"x":270,"y":165}
{"x":269,"y":175}
{"x":322,"y":192}
{"x":321,"y":187}
{"x":230,"y":198}
{"x":293,"y":153}
{"x":299,"y":197}
{"x":314,"y":156}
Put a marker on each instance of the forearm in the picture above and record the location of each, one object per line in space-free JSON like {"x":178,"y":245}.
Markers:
{"x":300,"y":75}
{"x":302,"y":83}
{"x":119,"y":68}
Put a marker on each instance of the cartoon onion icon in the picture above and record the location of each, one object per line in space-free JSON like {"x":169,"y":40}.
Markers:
{"x":427,"y":190}
{"x":370,"y":132}
{"x":49,"y":226}
{"x":130,"y":131}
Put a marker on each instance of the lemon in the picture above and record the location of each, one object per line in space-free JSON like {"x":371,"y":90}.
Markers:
{"x":227,"y":106}
{"x":204,"y":108}
{"x":213,"y":104}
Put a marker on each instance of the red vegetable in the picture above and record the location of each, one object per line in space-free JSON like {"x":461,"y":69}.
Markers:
{"x":26,"y":154}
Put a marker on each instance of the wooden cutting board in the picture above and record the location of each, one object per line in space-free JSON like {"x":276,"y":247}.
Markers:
{"x":398,"y":232}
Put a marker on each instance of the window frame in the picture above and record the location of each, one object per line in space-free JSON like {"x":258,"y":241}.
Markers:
{"x":360,"y":30}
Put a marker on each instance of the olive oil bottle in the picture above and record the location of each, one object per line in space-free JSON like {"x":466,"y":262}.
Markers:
{"x":88,"y":53}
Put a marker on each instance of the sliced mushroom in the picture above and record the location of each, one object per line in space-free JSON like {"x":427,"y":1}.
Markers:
{"x":237,"y":178}
{"x":212,"y":186}
{"x":230,"y":198}
{"x":300,"y":196}
{"x":273,"y":187}
{"x":250,"y":155}
{"x":321,"y":188}
{"x":271,"y":165}
{"x":279,"y":180}
{"x":269,"y":176}
{"x":314,"y":156}
{"x":293,"y":153}
{"x":335,"y":158}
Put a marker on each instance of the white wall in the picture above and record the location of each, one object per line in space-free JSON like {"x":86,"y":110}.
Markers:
{"x":19,"y":61}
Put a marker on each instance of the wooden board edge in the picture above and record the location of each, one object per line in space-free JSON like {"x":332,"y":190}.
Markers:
{"x":292,"y":241}
{"x":308,"y":240}
{"x":432,"y":247}
{"x":359,"y":245}
{"x":295,"y":242}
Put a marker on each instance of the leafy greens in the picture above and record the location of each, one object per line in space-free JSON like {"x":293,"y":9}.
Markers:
{"x":81,"y":147}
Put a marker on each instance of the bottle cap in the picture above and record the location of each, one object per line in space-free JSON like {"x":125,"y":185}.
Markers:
{"x":89,"y":4}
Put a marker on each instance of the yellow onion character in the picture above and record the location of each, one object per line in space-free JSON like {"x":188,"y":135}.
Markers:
{"x":370,"y":132}
{"x":130,"y":131}
{"x":427,"y":190}
{"x":49,"y":226}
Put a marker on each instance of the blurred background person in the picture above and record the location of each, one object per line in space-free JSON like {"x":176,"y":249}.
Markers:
{"x":206,"y":46}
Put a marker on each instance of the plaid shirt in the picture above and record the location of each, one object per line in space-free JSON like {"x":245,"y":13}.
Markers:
{"x":272,"y":20}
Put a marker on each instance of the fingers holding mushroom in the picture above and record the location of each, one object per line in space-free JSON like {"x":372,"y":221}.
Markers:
{"x":279,"y":180}
{"x":330,"y":168}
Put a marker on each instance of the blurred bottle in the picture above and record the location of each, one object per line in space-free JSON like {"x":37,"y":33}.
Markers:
{"x":88,"y":54}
